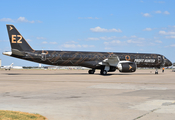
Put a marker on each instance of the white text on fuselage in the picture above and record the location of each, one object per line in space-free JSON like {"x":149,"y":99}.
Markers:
{"x":145,"y":60}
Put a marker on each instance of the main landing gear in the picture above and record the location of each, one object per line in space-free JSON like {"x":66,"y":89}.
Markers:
{"x":103,"y":72}
{"x":91,"y":71}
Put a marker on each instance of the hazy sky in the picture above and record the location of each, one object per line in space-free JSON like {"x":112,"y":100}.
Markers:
{"x":143,"y":26}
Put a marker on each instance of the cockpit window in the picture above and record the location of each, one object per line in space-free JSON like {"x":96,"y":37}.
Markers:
{"x":165,"y":57}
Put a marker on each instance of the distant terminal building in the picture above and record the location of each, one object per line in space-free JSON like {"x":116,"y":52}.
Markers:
{"x":0,"y":62}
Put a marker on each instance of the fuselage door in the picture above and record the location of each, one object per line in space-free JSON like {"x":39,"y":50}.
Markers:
{"x":159,"y":59}
{"x":43,"y":56}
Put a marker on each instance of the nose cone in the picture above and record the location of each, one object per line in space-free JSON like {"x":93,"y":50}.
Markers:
{"x":168,"y":63}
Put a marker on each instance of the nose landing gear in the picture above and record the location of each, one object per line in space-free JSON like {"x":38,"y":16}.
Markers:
{"x":156,"y":72}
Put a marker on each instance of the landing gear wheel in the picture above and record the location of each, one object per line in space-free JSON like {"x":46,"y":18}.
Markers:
{"x":103,"y":72}
{"x":156,"y":72}
{"x":91,"y":72}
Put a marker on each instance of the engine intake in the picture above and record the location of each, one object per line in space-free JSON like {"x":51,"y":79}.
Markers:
{"x":127,"y":67}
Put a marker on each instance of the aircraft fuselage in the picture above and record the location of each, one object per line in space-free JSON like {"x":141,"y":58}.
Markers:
{"x":91,"y":59}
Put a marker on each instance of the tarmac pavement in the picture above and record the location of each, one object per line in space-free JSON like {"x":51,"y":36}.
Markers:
{"x":77,"y":95}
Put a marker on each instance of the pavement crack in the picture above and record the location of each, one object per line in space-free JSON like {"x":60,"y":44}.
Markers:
{"x":146,"y":114}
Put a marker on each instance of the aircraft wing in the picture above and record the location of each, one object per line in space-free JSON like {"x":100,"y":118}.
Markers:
{"x":112,"y":60}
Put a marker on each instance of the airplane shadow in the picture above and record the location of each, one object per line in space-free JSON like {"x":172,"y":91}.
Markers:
{"x":128,"y":74}
{"x":80,"y":74}
{"x":46,"y":74}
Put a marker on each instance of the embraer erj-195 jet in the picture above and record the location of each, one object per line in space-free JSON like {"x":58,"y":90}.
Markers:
{"x":105,"y":61}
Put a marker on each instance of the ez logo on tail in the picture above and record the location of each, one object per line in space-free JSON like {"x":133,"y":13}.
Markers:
{"x":14,"y":39}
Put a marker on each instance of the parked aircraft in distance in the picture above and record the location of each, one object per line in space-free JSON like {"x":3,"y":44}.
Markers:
{"x":7,"y":67}
{"x":105,"y":61}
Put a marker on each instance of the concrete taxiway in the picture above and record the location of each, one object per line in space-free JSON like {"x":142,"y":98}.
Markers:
{"x":76,"y":95}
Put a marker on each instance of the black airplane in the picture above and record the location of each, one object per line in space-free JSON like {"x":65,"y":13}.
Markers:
{"x":105,"y":61}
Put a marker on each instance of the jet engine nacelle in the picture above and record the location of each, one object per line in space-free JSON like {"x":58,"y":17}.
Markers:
{"x":127,"y":67}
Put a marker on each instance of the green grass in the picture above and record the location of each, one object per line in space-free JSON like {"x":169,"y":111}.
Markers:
{"x":15,"y":115}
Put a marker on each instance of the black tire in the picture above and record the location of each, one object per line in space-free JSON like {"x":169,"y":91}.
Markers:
{"x":91,"y":72}
{"x":103,"y":72}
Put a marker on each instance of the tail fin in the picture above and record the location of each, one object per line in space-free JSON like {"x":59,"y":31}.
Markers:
{"x":11,"y":65}
{"x":16,"y":39}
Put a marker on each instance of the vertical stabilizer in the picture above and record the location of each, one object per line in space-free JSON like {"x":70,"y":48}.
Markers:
{"x":16,"y":39}
{"x":11,"y":65}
